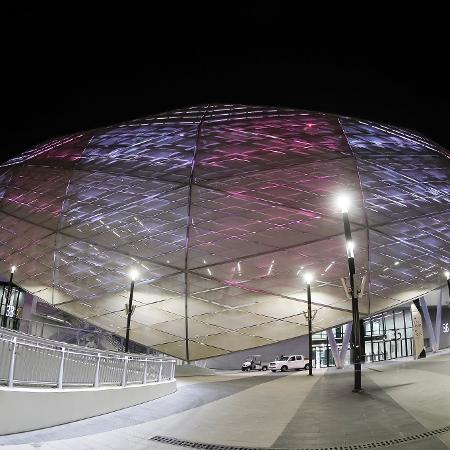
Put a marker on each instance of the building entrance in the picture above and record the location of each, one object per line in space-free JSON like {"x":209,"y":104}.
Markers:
{"x":387,"y":336}
{"x":11,"y":305}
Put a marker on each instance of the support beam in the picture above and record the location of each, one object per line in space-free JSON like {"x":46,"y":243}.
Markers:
{"x":429,"y":325}
{"x":345,"y":342}
{"x":339,"y":356}
{"x":437,"y":327}
{"x":334,"y":348}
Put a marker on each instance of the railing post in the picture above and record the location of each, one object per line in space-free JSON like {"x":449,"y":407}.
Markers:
{"x":145,"y":372}
{"x":173,"y":370}
{"x":12,"y":363}
{"x":61,"y":369}
{"x":97,"y":371}
{"x":160,"y":371}
{"x":124,"y":374}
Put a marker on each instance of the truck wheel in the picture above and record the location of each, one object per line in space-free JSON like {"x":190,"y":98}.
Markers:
{"x":273,"y":371}
{"x":284,"y":368}
{"x":264,"y":368}
{"x":306,"y":366}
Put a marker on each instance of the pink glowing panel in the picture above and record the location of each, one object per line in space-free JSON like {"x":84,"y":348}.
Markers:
{"x":221,"y":209}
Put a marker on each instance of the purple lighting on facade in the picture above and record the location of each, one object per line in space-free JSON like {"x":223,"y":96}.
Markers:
{"x":78,"y":212}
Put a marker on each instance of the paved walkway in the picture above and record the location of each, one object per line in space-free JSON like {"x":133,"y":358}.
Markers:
{"x":275,"y":410}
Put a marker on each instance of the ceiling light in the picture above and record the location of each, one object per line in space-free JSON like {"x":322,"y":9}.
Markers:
{"x":308,"y":278}
{"x":133,"y":274}
{"x":343,"y":202}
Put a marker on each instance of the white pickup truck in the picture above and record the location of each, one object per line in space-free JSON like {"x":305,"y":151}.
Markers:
{"x":291,"y":362}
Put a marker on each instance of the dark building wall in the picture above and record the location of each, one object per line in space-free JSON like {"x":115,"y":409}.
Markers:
{"x":268,"y":353}
{"x":300,"y":345}
{"x":445,"y":326}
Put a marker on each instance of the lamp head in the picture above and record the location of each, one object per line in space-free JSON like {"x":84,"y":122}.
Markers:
{"x":350,"y":249}
{"x":133,"y":274}
{"x":343,"y":202}
{"x":308,"y":278}
{"x":447,"y":274}
{"x":13,"y":269}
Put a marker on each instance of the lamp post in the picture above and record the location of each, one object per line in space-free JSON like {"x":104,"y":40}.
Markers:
{"x":344,"y":203}
{"x":129,"y":308}
{"x":8,"y":294}
{"x":447,"y":275}
{"x":308,"y":279}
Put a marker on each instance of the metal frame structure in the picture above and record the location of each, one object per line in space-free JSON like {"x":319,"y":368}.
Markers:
{"x":27,"y":361}
{"x":222,"y":208}
{"x":77,"y":336}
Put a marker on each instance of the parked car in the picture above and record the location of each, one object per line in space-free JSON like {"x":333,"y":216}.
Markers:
{"x":291,"y":362}
{"x":253,"y":362}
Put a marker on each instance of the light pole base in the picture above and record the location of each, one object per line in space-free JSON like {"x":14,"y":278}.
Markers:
{"x":357,"y":391}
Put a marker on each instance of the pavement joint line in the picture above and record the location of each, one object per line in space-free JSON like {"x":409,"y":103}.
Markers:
{"x":46,"y":435}
{"x":365,"y":445}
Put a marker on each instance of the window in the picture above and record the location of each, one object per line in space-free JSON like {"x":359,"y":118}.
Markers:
{"x":299,"y":357}
{"x":292,"y":358}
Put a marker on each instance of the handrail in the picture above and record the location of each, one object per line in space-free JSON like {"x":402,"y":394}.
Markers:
{"x":26,"y":362}
{"x":51,"y":342}
{"x":33,"y":328}
{"x":64,"y":327}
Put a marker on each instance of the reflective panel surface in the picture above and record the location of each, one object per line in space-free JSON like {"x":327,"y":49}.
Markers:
{"x":222,"y":209}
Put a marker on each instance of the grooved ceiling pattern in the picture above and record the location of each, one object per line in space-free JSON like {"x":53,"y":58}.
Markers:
{"x":223,"y":208}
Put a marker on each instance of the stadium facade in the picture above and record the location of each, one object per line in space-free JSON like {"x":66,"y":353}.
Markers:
{"x":222,"y":209}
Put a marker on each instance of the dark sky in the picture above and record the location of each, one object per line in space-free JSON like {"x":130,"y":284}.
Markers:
{"x":77,"y":69}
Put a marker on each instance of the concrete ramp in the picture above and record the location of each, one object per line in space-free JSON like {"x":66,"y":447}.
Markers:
{"x":189,"y":370}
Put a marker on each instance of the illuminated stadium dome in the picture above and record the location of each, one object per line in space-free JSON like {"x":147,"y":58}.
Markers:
{"x":222,"y":209}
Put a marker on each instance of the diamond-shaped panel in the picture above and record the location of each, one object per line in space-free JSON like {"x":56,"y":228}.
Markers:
{"x":222,"y":209}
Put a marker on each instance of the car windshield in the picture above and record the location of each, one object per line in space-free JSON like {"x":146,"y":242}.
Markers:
{"x":283,"y":358}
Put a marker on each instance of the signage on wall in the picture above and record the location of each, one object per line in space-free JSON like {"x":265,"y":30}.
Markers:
{"x":10,"y":310}
{"x":445,"y":328}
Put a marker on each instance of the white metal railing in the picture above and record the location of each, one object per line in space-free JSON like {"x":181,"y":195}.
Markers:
{"x":79,"y":336}
{"x":27,"y":361}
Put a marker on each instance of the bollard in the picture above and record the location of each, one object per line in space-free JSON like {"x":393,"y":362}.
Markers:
{"x":145,"y":373}
{"x":124,"y":374}
{"x":97,"y":371}
{"x":160,"y":372}
{"x":61,"y":369}
{"x":12,"y":363}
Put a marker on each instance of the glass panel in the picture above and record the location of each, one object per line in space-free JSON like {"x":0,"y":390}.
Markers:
{"x":226,"y":207}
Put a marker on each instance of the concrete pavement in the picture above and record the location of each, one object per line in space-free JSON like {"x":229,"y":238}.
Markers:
{"x":401,"y":398}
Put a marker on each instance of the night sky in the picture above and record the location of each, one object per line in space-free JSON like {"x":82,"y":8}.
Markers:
{"x":71,"y":70}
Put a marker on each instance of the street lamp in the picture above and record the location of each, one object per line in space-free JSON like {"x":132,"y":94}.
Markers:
{"x":344,"y":204}
{"x":308,"y":279}
{"x":129,"y":308}
{"x":447,"y":275}
{"x":8,"y":294}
